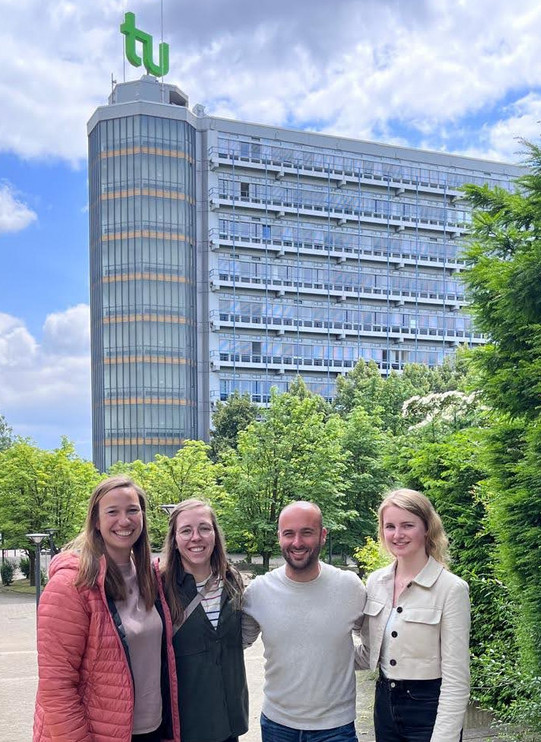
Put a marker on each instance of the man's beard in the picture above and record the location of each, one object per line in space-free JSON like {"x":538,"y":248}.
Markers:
{"x":311,"y":556}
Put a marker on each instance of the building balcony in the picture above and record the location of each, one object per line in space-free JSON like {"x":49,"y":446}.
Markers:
{"x":395,"y":255}
{"x":281,"y":325}
{"x":280,"y":364}
{"x":341,"y":169}
{"x":338,"y":291}
{"x":343,"y":213}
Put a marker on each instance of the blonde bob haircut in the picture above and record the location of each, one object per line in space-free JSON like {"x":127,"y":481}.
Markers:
{"x":437,"y":543}
{"x":90,"y":547}
{"x":171,"y":564}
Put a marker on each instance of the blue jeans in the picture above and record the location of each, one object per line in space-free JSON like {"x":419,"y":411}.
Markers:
{"x":405,"y":710}
{"x":273,"y":732}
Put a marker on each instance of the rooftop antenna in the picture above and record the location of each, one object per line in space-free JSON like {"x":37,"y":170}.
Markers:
{"x":123,"y":60}
{"x":113,"y":82}
{"x":161,"y":40}
{"x":161,"y":22}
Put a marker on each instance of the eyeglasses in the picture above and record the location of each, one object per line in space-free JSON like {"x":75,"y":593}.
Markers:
{"x":185,"y":534}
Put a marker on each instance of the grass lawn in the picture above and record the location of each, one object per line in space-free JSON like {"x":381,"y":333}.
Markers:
{"x":18,"y":586}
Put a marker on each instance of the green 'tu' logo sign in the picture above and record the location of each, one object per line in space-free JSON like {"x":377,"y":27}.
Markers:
{"x":132,"y":35}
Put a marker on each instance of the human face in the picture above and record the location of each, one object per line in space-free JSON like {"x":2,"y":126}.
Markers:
{"x":195,"y":539}
{"x":120,"y":522}
{"x":301,"y":537}
{"x":404,"y":532}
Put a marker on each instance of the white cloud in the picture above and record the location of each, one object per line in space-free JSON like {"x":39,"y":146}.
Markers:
{"x":426,"y":70}
{"x":68,"y":333}
{"x":45,"y":387}
{"x":14,"y":214}
{"x":502,"y":138}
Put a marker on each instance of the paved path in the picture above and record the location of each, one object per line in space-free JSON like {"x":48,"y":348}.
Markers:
{"x":18,"y":673}
{"x":18,"y":679}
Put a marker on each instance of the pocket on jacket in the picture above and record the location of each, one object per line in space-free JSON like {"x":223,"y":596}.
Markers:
{"x":431,"y":616}
{"x":373,"y":607}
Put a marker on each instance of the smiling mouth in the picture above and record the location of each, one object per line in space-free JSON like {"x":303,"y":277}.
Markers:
{"x":123,"y":534}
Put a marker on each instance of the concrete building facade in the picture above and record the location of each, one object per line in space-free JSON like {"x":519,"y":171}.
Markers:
{"x":227,"y":256}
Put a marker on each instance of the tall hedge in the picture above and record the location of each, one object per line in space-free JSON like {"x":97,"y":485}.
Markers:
{"x":503,"y":279}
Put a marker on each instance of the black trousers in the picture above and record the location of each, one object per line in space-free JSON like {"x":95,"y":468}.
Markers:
{"x":405,"y":710}
{"x":154,"y":736}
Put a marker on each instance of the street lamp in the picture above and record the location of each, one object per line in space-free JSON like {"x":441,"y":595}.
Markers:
{"x":52,"y":546}
{"x":168,"y":509}
{"x":37,"y":538}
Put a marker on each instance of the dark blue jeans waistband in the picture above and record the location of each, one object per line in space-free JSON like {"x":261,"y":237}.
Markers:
{"x":408,"y":682}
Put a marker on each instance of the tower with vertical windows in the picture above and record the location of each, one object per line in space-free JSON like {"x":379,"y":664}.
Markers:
{"x":228,"y":256}
{"x":142,"y":164}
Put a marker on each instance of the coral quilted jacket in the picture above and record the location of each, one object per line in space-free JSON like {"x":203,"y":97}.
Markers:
{"x":85,"y":691}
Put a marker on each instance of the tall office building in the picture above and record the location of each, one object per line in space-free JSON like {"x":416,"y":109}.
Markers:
{"x":226,"y":256}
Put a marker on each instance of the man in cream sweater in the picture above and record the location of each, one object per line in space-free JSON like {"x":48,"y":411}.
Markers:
{"x":306,"y":612}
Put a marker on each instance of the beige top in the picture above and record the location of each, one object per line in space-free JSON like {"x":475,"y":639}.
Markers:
{"x":144,"y":636}
{"x":429,"y":637}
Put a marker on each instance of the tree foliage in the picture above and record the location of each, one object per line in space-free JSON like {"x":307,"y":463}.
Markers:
{"x":228,"y":420}
{"x":384,"y":397}
{"x":43,"y":489}
{"x":293,"y":453}
{"x":503,"y":279}
{"x":367,"y":476}
{"x":6,"y":434}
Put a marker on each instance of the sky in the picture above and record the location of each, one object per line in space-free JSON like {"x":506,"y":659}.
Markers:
{"x":461,"y":76}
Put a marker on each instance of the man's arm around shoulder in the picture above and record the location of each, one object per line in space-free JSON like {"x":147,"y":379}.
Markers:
{"x":250,"y":627}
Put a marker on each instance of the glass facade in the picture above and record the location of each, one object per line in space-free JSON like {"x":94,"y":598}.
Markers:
{"x":321,"y":257}
{"x":143,"y":278}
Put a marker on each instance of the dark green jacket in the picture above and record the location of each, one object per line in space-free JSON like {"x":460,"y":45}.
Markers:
{"x":212,"y":690}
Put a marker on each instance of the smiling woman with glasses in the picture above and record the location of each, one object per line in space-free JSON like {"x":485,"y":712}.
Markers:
{"x":203,"y":592}
{"x":186,"y":532}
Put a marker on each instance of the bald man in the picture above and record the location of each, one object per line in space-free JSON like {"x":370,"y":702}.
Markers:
{"x":306,"y":612}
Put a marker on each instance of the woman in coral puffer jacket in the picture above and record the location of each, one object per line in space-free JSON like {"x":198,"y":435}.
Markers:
{"x":106,"y":665}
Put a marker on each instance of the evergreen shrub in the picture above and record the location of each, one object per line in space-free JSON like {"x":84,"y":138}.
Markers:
{"x":24,"y":566}
{"x":7,"y":570}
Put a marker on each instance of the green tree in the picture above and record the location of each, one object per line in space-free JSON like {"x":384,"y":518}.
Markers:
{"x":363,"y":385}
{"x":503,"y":277}
{"x":43,"y":489}
{"x":366,"y":478}
{"x":6,"y":434}
{"x":293,"y":453}
{"x":299,"y":389}
{"x":453,"y":373}
{"x":228,"y":420}
{"x":384,"y":398}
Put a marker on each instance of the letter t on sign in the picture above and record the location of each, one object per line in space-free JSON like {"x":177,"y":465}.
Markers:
{"x":134,"y":34}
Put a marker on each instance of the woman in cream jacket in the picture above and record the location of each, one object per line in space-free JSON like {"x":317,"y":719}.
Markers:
{"x":416,"y":628}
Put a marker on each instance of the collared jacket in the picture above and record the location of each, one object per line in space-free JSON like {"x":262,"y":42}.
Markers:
{"x":213,"y":695}
{"x":85,"y":690}
{"x":430,"y":637}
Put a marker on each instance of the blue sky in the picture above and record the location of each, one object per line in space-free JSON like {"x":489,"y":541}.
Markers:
{"x":460,"y":76}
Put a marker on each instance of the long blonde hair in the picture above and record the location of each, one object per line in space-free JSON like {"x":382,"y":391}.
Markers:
{"x":90,"y":547}
{"x":172,"y":569}
{"x":437,"y":543}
